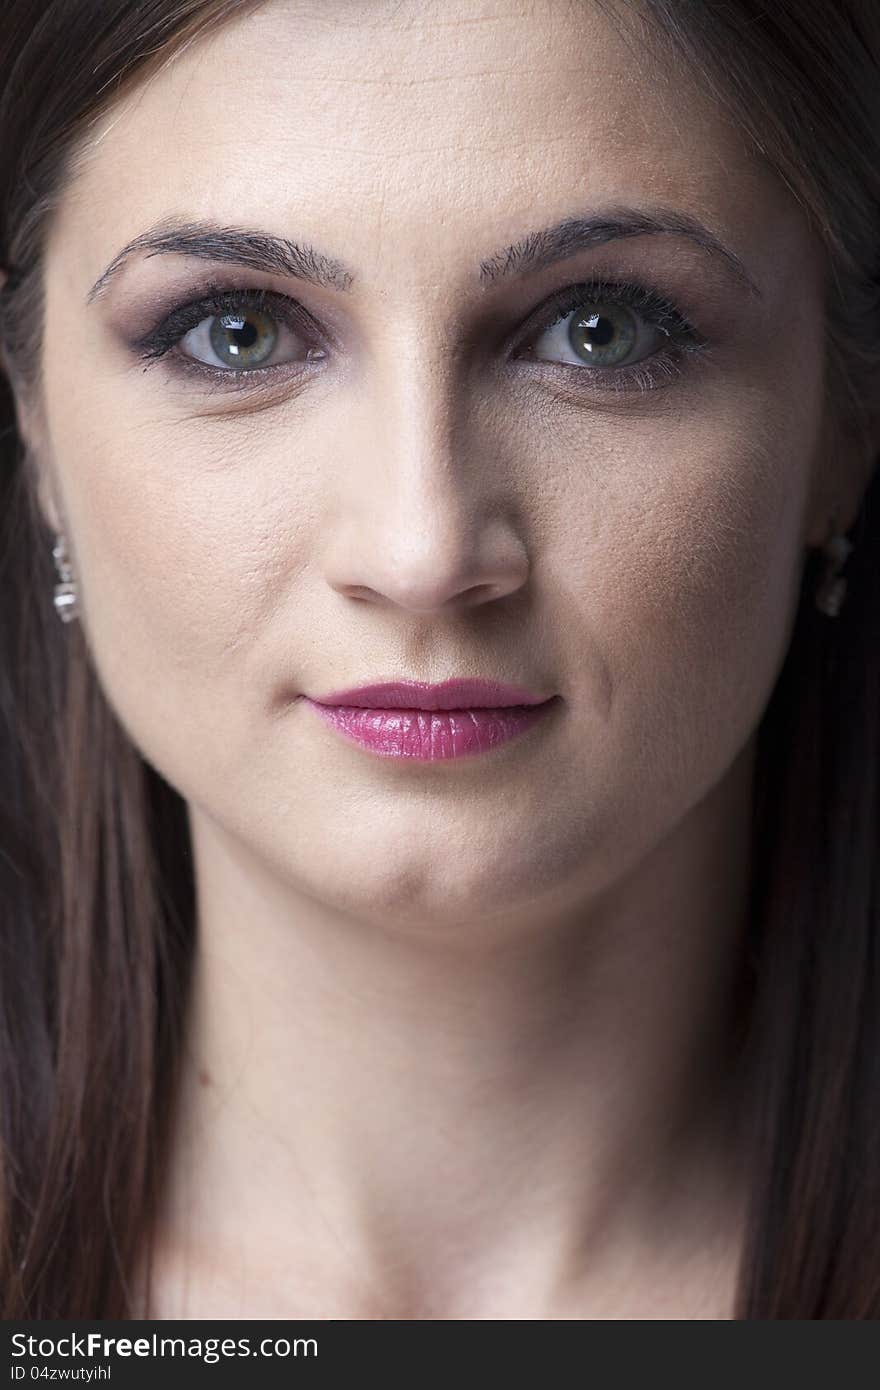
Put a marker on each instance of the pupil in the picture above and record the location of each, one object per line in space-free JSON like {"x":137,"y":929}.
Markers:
{"x":245,"y":334}
{"x":601,"y":329}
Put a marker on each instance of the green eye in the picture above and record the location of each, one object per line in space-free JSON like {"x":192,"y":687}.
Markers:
{"x":604,"y":335}
{"x":243,"y":339}
{"x":608,"y":330}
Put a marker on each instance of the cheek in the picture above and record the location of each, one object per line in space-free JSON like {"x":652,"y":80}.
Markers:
{"x":688,"y":591}
{"x":185,"y":546}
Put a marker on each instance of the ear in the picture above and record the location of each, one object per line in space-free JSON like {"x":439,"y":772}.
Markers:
{"x":47,"y":499}
{"x":844,"y":464}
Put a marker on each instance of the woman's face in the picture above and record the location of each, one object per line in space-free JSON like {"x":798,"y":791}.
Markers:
{"x":430,"y":477}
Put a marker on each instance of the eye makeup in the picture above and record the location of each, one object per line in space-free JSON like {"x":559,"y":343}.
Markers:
{"x":680,"y":339}
{"x":681,"y":336}
{"x":162,"y":340}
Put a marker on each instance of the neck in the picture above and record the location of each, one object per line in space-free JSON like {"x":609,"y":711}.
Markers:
{"x":395,"y":1114}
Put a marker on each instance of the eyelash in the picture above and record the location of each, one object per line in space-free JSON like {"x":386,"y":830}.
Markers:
{"x":683,"y":339}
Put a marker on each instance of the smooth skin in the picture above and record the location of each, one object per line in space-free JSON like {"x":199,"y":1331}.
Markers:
{"x":464,"y":1038}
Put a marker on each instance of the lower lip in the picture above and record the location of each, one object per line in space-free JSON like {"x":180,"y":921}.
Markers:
{"x":430,"y":736}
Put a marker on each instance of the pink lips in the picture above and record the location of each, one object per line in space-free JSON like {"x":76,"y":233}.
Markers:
{"x":409,"y":719}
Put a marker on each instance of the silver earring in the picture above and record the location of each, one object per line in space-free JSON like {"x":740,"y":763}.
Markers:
{"x":66,"y":605}
{"x":831,"y":590}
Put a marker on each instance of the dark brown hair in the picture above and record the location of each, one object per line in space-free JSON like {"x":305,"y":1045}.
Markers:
{"x":97,"y":900}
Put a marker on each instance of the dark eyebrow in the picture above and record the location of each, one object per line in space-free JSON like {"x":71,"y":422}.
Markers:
{"x":538,"y":249}
{"x":212,"y":242}
{"x":260,"y":251}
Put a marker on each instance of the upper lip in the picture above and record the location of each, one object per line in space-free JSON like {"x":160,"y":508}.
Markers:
{"x":451,"y":694}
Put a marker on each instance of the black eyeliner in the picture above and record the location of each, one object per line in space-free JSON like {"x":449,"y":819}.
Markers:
{"x":656,"y":309}
{"x":215,"y":300}
{"x":647,"y":373}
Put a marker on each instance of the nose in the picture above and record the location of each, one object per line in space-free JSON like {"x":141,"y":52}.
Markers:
{"x":424,"y":520}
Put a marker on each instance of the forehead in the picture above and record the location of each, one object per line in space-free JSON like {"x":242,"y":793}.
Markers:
{"x":411,"y":134}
